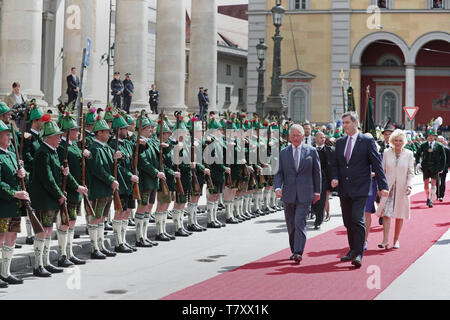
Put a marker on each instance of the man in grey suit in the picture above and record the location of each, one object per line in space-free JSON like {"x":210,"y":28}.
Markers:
{"x":298,"y":183}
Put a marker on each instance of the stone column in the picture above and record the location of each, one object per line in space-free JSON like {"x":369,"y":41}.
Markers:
{"x":203,"y":52}
{"x":131,"y":47}
{"x":410,"y":90}
{"x":20,"y":47}
{"x":170,"y":68}
{"x":80,"y":24}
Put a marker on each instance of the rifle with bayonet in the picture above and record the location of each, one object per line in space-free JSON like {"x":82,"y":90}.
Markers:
{"x":196,"y":189}
{"x":116,"y":197}
{"x":136,"y":192}
{"x":228,"y":182}
{"x":261,"y":179}
{"x":63,"y":207}
{"x":209,"y":183}
{"x":164,"y":188}
{"x":179,"y":185}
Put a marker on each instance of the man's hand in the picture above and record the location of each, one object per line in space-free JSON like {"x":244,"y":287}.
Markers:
{"x":164,"y":145}
{"x":161,"y":176}
{"x":207,"y":171}
{"x":384,"y":193}
{"x":82,"y":190}
{"x":87,"y":154}
{"x":117,"y":155}
{"x":22,"y":195}
{"x":65,"y":171}
{"x":316,"y":198}
{"x":62,"y":200}
{"x":193,"y":165}
{"x":408,"y":190}
{"x":115,"y":185}
{"x":228,"y":170}
{"x":373,"y":174}
{"x":334,"y":183}
{"x":142,"y":142}
{"x":278,"y":193}
{"x":134,"y":179}
{"x":177,"y":174}
{"x":21,"y":173}
{"x":250,"y":168}
{"x":119,"y":93}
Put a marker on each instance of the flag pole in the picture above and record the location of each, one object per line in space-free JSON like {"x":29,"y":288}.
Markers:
{"x":342,"y":75}
{"x":366,"y":123}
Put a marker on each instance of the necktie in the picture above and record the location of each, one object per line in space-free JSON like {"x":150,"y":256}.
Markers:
{"x":296,"y":158}
{"x":348,"y":152}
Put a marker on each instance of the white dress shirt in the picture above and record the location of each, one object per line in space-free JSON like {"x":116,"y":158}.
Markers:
{"x":307,"y":140}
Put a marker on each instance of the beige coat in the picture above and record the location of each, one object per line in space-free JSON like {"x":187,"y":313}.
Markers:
{"x":10,"y":99}
{"x":402,"y":175}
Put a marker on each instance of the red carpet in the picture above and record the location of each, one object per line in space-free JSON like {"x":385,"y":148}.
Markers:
{"x":321,"y":275}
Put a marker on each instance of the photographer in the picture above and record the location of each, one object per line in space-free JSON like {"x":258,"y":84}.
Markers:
{"x":16,"y":102}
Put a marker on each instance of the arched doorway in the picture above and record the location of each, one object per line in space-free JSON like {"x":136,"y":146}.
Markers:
{"x":298,"y":105}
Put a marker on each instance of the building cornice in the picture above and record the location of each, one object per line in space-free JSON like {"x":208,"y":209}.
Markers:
{"x":355,"y":11}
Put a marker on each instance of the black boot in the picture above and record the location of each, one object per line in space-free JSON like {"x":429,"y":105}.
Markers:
{"x":180,"y":233}
{"x":213,"y":225}
{"x":97,"y":255}
{"x":232,"y":220}
{"x":162,"y":237}
{"x":122,"y":249}
{"x":64,"y":262}
{"x":41,"y":272}
{"x":194,"y":228}
{"x":108,"y":253}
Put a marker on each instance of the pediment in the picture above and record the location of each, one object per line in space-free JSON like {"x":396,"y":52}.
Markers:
{"x":297,"y":74}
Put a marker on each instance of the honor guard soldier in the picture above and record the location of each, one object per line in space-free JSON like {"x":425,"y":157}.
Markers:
{"x":31,"y":144}
{"x":109,"y":118}
{"x":247,"y":126}
{"x":200,"y":171}
{"x":126,"y":181}
{"x":116,"y":90}
{"x":74,"y":155}
{"x":149,"y":176}
{"x":167,"y":183}
{"x":90,"y":121}
{"x":430,"y":158}
{"x":10,"y":194}
{"x":102,"y":185}
{"x":46,"y":193}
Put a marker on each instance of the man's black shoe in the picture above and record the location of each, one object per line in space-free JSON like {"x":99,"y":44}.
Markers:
{"x":297,"y":257}
{"x":29,"y":240}
{"x":213,"y":225}
{"x":142,"y":244}
{"x":52,"y":269}
{"x":232,"y":220}
{"x":194,"y":228}
{"x":201,"y":227}
{"x":3,"y":284}
{"x":430,"y":205}
{"x":150,"y":242}
{"x":317,"y":227}
{"x":77,"y":261}
{"x":130,"y":246}
{"x":41,"y":272}
{"x":292,"y":257}
{"x":11,"y":279}
{"x":108,"y":253}
{"x":180,"y":233}
{"x":122,"y":249}
{"x":17,"y":246}
{"x":357,"y":261}
{"x":97,"y":255}
{"x":159,"y":237}
{"x":348,"y":257}
{"x":131,"y":223}
{"x":171,"y":237}
{"x":64,"y":262}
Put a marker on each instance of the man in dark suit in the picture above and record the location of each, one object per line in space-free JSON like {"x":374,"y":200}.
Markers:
{"x":154,"y":99}
{"x":128,"y":91}
{"x":355,"y":153}
{"x":326,"y":154}
{"x":116,"y":89}
{"x":73,"y":85}
{"x":202,"y":102}
{"x":298,"y":183}
{"x":443,"y":175}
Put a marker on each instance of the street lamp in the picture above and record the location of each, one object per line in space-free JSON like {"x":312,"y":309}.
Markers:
{"x":274,"y":100}
{"x":261,"y":48}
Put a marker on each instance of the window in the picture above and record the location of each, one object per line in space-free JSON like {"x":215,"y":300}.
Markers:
{"x":389,"y":105}
{"x":299,"y":4}
{"x":438,"y":4}
{"x":298,"y":106}
{"x":227,"y":94}
{"x":228,"y":70}
{"x":390,"y":63}
{"x":382,"y":4}
{"x":241,"y":72}
{"x":241,"y":96}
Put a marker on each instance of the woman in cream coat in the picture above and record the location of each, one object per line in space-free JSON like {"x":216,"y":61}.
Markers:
{"x":398,"y":165}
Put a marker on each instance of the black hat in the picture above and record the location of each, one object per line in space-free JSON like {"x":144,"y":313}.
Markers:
{"x":127,"y":74}
{"x":388,"y":127}
{"x":201,"y":88}
{"x":117,"y":72}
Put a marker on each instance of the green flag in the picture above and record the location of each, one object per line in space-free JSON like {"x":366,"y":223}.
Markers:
{"x":369,"y":124}
{"x":350,"y":100}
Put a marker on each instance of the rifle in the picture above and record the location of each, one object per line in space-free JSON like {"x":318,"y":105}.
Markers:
{"x":228,"y":182}
{"x":87,"y":203}
{"x":195,"y":185}
{"x":180,"y":190}
{"x":244,"y":167}
{"x":164,"y":187}
{"x":63,"y":207}
{"x":136,"y":193}
{"x":208,"y":180}
{"x":35,"y":223}
{"x":24,"y":127}
{"x":116,"y":197}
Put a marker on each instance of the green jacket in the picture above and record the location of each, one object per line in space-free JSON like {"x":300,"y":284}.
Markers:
{"x":148,"y":166}
{"x":45,"y":187}
{"x":74,"y":156}
{"x":168,"y":167}
{"x":90,"y":137}
{"x":434,"y":161}
{"x":101,"y":171}
{"x":218,"y":169}
{"x":9,"y":185}
{"x":30,"y":146}
{"x":125,"y":165}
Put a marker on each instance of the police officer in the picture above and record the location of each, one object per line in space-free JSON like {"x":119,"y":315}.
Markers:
{"x":128,"y":91}
{"x":116,"y":89}
{"x":153,"y":99}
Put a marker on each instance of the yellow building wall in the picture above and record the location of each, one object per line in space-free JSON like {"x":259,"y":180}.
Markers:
{"x":315,"y":5}
{"x":313,"y":44}
{"x":398,"y":4}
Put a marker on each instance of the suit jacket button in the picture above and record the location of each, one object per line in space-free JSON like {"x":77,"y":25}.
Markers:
{"x":346,"y":178}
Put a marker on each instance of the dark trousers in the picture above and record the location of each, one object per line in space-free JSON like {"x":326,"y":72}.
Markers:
{"x":202,"y":111}
{"x":72,"y":96}
{"x":116,"y":101}
{"x":154,"y":107}
{"x":127,"y":104}
{"x":354,"y":222}
{"x":295,"y":215}
{"x":441,"y":189}
{"x":319,"y":206}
